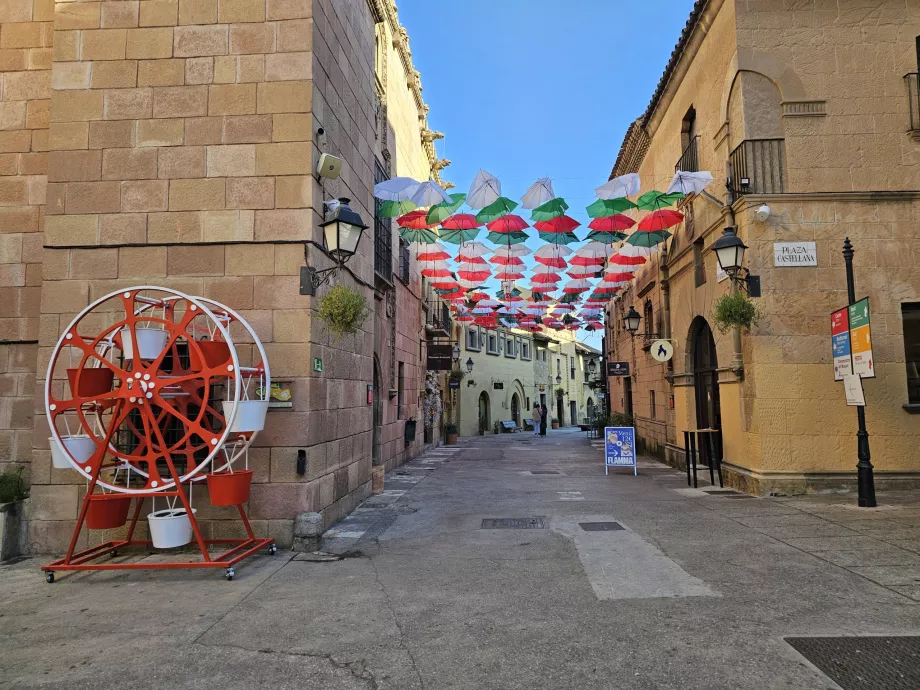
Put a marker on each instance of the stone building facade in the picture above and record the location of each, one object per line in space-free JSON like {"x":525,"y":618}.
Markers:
{"x":805,"y":108}
{"x":174,"y":142}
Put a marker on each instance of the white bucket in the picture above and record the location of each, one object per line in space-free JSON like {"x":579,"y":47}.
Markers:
{"x":150,"y":342}
{"x":80,"y":447}
{"x":170,"y":528}
{"x":249,"y":417}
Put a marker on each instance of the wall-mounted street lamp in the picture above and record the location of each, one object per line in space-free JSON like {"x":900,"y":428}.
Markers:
{"x":558,"y":379}
{"x":592,"y":367}
{"x":455,"y":354}
{"x":469,"y":365}
{"x":729,"y":249}
{"x":631,"y":321}
{"x":341,"y":235}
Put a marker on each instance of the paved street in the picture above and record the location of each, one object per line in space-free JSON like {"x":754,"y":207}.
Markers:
{"x":697,"y":590}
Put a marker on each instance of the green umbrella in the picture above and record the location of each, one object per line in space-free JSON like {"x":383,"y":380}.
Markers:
{"x":424,"y":236}
{"x":508,"y":237}
{"x":641,"y":238}
{"x":394,"y":209}
{"x":606,"y":237}
{"x":502,"y":206}
{"x":609,"y":207}
{"x":559,"y":237}
{"x":458,"y":236}
{"x":550,"y":209}
{"x":569,"y":298}
{"x":440,"y":212}
{"x":654,"y":200}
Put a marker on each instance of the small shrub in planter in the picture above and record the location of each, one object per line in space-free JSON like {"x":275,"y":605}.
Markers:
{"x":450,"y":431}
{"x":344,"y":310}
{"x":735,"y":310}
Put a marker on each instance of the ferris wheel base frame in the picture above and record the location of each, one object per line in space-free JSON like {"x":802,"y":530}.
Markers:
{"x":241,"y":548}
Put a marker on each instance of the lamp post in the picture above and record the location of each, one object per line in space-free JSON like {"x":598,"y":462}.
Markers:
{"x":342,"y":233}
{"x":865,"y":481}
{"x":729,"y":249}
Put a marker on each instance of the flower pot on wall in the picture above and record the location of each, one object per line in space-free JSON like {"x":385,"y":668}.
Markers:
{"x":250,"y":416}
{"x":93,"y":381}
{"x":81,"y":448}
{"x":229,"y":488}
{"x":107,"y":511}
{"x":150,"y":342}
{"x":170,"y":528}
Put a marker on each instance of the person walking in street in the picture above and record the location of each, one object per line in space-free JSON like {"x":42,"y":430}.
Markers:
{"x":537,"y":417}
{"x":544,"y":414}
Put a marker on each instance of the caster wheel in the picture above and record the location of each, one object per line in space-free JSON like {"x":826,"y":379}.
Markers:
{"x":49,"y":578}
{"x":272,"y":550}
{"x":230,"y":573}
{"x":113,"y":553}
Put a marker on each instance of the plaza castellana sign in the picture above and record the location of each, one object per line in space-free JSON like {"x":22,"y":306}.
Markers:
{"x":787,"y":254}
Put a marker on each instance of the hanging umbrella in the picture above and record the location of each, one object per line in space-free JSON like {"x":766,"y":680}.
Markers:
{"x":552,"y":255}
{"x":436,"y":269}
{"x":426,"y":252}
{"x":613,"y":223}
{"x":559,"y":237}
{"x":392,"y":209}
{"x":591,"y":254}
{"x":461,"y":221}
{"x":413,"y":235}
{"x":606,"y":289}
{"x":448,"y":287}
{"x":440,"y":212}
{"x":430,"y":193}
{"x":538,"y":193}
{"x":624,"y":185}
{"x":484,"y":189}
{"x":551,"y":209}
{"x":498,"y":208}
{"x":558,"y":224}
{"x":660,"y":220}
{"x":415,"y":220}
{"x":514,"y":250}
{"x":616,"y":278}
{"x":593,"y":326}
{"x":584,"y":271}
{"x":609,"y":207}
{"x":474,"y":273}
{"x":487,"y":322}
{"x":482,"y":311}
{"x":563,"y":307}
{"x":458,"y":236}
{"x":506,"y":274}
{"x":473,"y":250}
{"x":654,"y":200}
{"x":507,"y":237}
{"x":489,"y":302}
{"x":508,"y":223}
{"x":626,"y":263}
{"x":574,"y":286}
{"x":506,"y":260}
{"x":544,"y":279}
{"x":689,"y":182}
{"x":642,"y":238}
{"x":396,"y":189}
{"x":606,"y":237}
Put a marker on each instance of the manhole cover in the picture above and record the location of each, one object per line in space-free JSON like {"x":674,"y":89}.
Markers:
{"x":864,"y":663}
{"x":600,"y":526}
{"x":513,"y":523}
{"x":543,"y":472}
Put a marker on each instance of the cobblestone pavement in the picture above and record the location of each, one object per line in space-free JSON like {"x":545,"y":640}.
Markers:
{"x":596,"y":582}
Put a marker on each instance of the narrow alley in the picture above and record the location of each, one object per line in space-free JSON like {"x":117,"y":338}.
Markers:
{"x":689,"y":589}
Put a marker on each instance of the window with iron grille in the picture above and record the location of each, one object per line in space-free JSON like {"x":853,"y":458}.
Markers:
{"x":383,"y":232}
{"x":699,"y":266}
{"x":405,"y":261}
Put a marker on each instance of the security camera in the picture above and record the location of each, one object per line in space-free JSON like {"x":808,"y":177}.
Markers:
{"x":762,"y":213}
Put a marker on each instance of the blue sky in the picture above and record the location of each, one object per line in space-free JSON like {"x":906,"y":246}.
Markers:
{"x":539,"y":88}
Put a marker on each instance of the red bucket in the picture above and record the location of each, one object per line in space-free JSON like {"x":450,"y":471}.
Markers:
{"x":93,"y":381}
{"x":107,"y":513}
{"x":214,"y":352}
{"x":229,"y":488}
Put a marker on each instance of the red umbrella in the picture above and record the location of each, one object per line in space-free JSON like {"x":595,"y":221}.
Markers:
{"x":460,"y":221}
{"x":660,"y":220}
{"x":617,"y":277}
{"x":543,"y":278}
{"x":508,"y":275}
{"x":486,"y":321}
{"x":606,"y":289}
{"x":621,"y":260}
{"x":612,"y":223}
{"x":477,"y":296}
{"x":504,"y":260}
{"x":415,"y":220}
{"x":557,"y":224}
{"x":508,"y":223}
{"x":475,"y":275}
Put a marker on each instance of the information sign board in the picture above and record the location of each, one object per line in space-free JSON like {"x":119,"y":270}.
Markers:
{"x":620,"y":448}
{"x":861,"y":339}
{"x":840,"y":344}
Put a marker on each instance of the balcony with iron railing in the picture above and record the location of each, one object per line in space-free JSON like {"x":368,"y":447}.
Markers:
{"x":913,"y":103}
{"x":437,"y":318}
{"x":689,"y":159}
{"x":758,"y":166}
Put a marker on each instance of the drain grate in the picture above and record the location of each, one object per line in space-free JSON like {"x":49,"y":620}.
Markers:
{"x":543,"y":472}
{"x":513,"y":523}
{"x":864,"y":663}
{"x":600,"y":526}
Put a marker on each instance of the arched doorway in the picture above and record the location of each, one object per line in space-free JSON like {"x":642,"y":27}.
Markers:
{"x":705,"y":375}
{"x":516,"y":409}
{"x":485,"y":419}
{"x":560,"y":410}
{"x":378,"y":422}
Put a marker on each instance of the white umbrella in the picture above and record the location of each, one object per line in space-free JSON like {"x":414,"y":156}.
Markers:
{"x":428,"y":194}
{"x":632,"y":250}
{"x":473,"y":250}
{"x":552,"y":251}
{"x":543,"y":268}
{"x":492,"y":303}
{"x":689,"y":182}
{"x":469,"y":284}
{"x":513,"y":250}
{"x":396,"y":189}
{"x":538,"y":193}
{"x":577,"y":271}
{"x":577,"y":284}
{"x":484,"y":190}
{"x":596,"y":251}
{"x":624,"y":185}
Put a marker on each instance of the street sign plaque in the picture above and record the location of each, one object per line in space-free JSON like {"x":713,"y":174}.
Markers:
{"x":662,"y":350}
{"x":617,"y":368}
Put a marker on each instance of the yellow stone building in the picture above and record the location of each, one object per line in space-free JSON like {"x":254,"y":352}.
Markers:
{"x":804,"y":115}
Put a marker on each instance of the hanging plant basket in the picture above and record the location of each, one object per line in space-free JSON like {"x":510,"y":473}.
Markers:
{"x":344,"y":310}
{"x":735,"y":311}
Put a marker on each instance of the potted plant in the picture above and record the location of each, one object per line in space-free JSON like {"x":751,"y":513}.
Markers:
{"x":555,"y":423}
{"x":735,"y":311}
{"x":450,"y":430}
{"x":344,"y":310}
{"x":13,"y":494}
{"x":560,"y":392}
